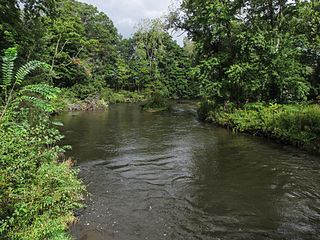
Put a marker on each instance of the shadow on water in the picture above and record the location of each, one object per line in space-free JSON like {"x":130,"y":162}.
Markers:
{"x":167,"y":176}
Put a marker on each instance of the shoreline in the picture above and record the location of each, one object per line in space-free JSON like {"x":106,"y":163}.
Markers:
{"x":289,"y":124}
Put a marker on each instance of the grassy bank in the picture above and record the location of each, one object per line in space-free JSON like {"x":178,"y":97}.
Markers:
{"x":296,"y":124}
{"x":93,"y":100}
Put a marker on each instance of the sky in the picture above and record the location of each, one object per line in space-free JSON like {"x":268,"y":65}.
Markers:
{"x":127,"y":13}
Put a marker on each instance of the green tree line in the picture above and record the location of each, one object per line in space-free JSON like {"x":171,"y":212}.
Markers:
{"x":86,"y":53}
{"x":253,"y":50}
{"x":241,"y":51}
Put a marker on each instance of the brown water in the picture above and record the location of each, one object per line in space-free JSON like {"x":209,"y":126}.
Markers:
{"x":167,"y":176}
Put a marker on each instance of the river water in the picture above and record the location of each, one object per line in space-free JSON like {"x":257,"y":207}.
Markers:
{"x":167,"y":176}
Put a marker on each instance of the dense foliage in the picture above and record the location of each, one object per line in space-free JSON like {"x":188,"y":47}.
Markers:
{"x":87,"y":55}
{"x":254,"y":50}
{"x":239,"y":51}
{"x":38,"y":194}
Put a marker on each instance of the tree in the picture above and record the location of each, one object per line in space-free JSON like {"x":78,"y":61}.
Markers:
{"x":158,"y":63}
{"x":21,"y":25}
{"x":80,"y":43}
{"x":149,"y":47}
{"x":245,"y":50}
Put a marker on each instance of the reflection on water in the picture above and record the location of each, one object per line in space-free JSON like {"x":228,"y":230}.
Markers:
{"x":167,"y":176}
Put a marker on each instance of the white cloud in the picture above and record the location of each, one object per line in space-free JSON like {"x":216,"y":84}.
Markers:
{"x":127,"y":13}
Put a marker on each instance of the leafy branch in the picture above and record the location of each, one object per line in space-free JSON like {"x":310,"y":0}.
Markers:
{"x":37,"y":94}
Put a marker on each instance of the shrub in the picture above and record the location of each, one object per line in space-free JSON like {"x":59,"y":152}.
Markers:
{"x":121,"y":97}
{"x":157,"y":102}
{"x":38,"y":194}
{"x":299,"y":124}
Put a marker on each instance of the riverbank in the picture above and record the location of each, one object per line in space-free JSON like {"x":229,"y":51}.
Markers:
{"x":295,"y":124}
{"x":70,"y":100}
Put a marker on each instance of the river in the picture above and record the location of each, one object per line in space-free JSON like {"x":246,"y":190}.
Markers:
{"x":168,"y":176}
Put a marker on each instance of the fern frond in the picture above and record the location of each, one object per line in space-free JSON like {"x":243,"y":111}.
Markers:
{"x":45,"y":91}
{"x":28,"y":68}
{"x":10,"y":55}
{"x":37,"y":102}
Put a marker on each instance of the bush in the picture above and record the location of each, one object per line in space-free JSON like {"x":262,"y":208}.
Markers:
{"x":157,"y":102}
{"x":121,"y":97}
{"x":38,"y":194}
{"x":299,"y":124}
{"x":64,"y":100}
